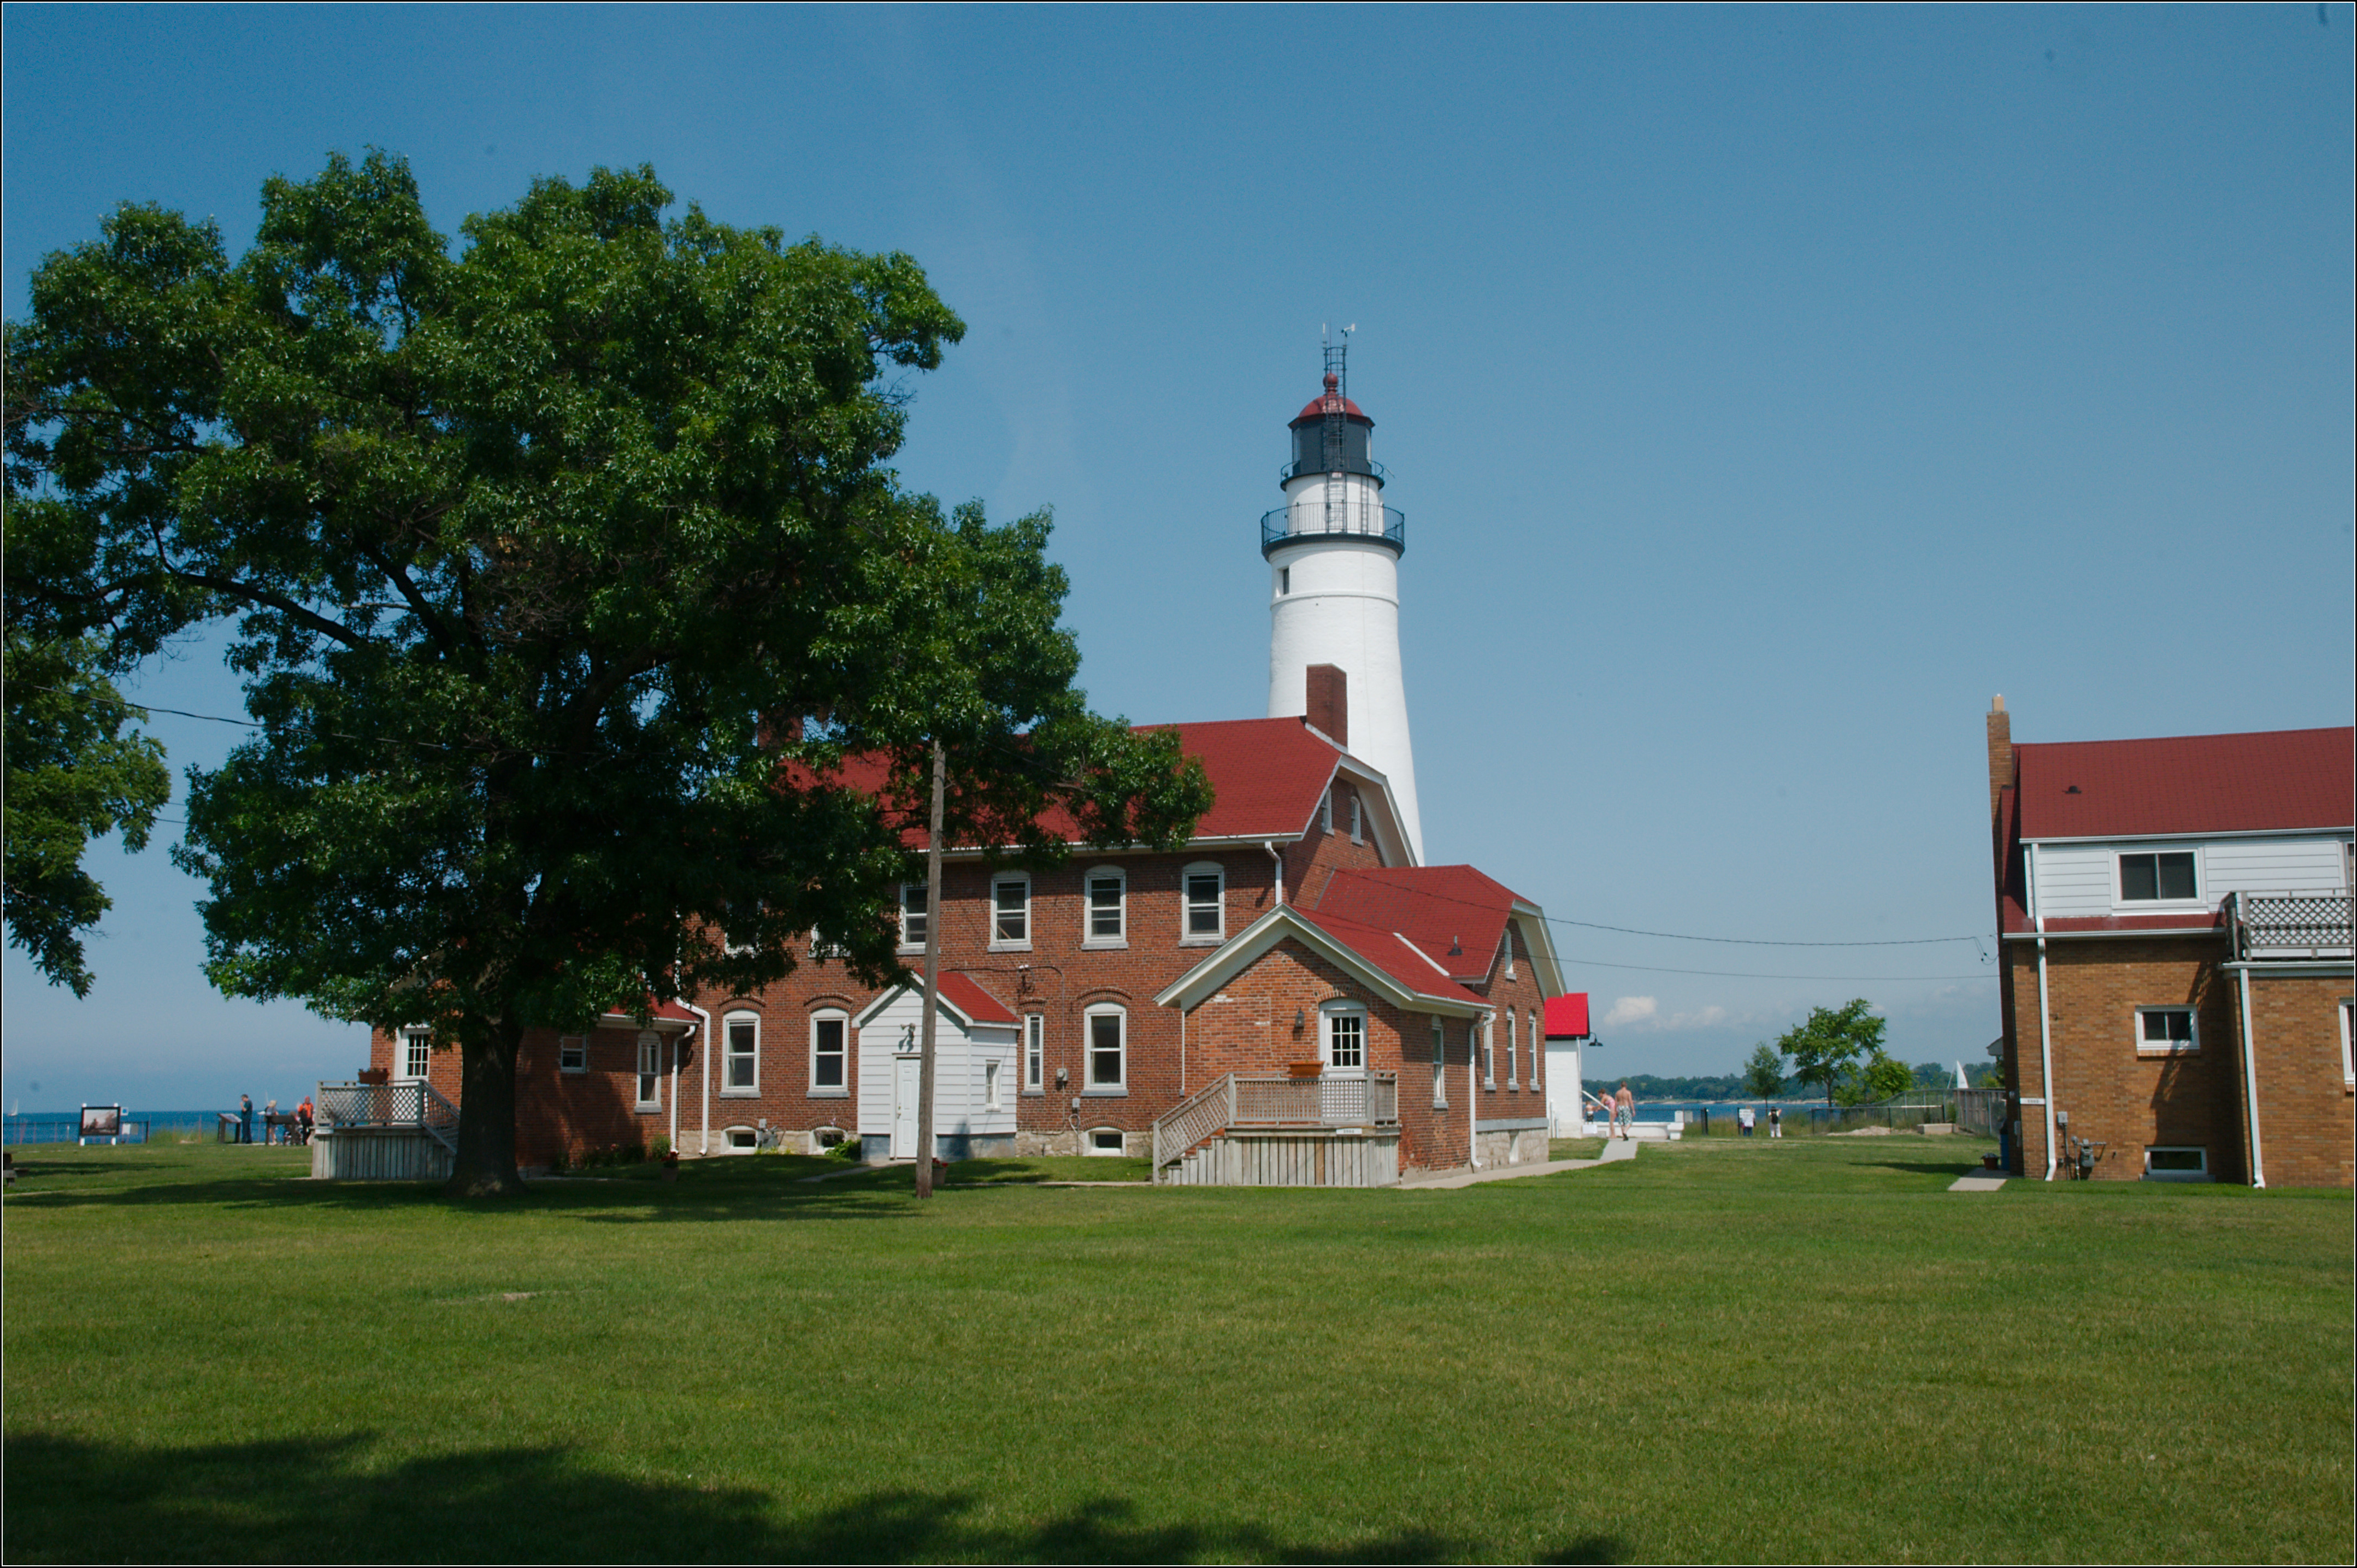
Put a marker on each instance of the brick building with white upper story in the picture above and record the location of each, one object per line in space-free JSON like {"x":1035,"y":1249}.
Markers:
{"x":2175,"y":916}
{"x":1290,"y":998}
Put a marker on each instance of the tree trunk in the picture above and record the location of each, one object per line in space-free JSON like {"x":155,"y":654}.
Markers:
{"x":486,"y":1166}
{"x":933,"y":983}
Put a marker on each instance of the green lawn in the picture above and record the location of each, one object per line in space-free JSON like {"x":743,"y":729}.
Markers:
{"x":1804,"y":1349}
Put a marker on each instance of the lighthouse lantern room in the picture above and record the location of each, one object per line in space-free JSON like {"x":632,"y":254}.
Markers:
{"x":1333,"y":551}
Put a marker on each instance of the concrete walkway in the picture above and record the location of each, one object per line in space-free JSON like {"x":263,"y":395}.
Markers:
{"x":1615,"y":1149}
{"x":1977,"y":1182}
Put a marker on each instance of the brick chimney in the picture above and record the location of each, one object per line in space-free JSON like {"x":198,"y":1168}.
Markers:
{"x":1330,"y":702}
{"x":2000,"y":750}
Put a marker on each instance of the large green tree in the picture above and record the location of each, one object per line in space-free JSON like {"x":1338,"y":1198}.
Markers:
{"x":581,"y":616}
{"x":1830,"y":1041}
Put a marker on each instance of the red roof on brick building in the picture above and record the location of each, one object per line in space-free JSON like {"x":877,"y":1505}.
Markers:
{"x":1437,"y":907}
{"x":959,"y":990}
{"x":2270,"y":781}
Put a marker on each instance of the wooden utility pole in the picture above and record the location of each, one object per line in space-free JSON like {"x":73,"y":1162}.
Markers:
{"x":932,"y":978}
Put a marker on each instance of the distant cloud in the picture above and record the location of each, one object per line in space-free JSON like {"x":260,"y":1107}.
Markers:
{"x":1630,"y":1010}
{"x":1644,"y":1015}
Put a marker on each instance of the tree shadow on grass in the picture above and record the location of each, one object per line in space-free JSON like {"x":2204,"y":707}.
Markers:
{"x":635,"y":1197}
{"x":74,"y":1500}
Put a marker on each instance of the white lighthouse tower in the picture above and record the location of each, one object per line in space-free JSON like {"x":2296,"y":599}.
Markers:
{"x":1333,"y":551}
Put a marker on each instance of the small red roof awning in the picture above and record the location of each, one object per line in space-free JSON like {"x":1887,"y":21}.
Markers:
{"x":1566,"y":1016}
{"x":979,"y":1006}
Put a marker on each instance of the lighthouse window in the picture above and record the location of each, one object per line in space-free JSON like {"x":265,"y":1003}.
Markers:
{"x":1283,"y":581}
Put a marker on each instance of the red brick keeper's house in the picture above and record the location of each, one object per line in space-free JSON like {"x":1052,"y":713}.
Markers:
{"x":1291,"y":941}
{"x":2175,"y":920}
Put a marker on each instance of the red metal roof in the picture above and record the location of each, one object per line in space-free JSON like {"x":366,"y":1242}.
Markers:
{"x":2272,"y":780}
{"x":1386,"y":950}
{"x":1317,"y":407}
{"x":959,"y":990}
{"x":1266,"y":776}
{"x":1566,"y":1016}
{"x":1436,"y":906}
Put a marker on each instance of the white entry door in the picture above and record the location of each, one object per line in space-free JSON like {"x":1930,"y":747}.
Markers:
{"x":904,"y":1107}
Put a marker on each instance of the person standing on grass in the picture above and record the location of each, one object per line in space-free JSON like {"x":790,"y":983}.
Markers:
{"x":270,"y":1128}
{"x":303,"y":1114}
{"x":1775,"y":1120}
{"x":245,"y":1119}
{"x":1746,"y":1119}
{"x":1624,"y":1110}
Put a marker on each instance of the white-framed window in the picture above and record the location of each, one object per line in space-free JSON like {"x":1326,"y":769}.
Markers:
{"x":2164,"y":877}
{"x":1106,"y":1140}
{"x":1107,"y":1071}
{"x":1439,"y":1068}
{"x":1104,"y":895}
{"x":1035,"y":1052}
{"x":1537,"y":1045}
{"x":649,"y":1071}
{"x":1509,"y":952}
{"x":416,"y":1052}
{"x":2347,"y":1063}
{"x":1326,"y":810}
{"x":1346,"y":1037}
{"x":741,"y":1049}
{"x":1513,"y":1048}
{"x":573,"y":1053}
{"x":1010,"y":912}
{"x":913,"y":916}
{"x":2167,"y":1031}
{"x":2179,"y":1164}
{"x":1358,"y":828}
{"x":1204,"y":915}
{"x":1488,"y":1057}
{"x":990,"y":1085}
{"x":830,"y":1053}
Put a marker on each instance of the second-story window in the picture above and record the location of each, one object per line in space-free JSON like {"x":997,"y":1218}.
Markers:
{"x":1206,"y":916}
{"x":1108,"y":1050}
{"x":1106,"y":900}
{"x":417,"y":1052}
{"x":2166,"y":1031}
{"x":1010,"y":912}
{"x":913,"y":914}
{"x":1357,"y":834}
{"x":1326,"y":810}
{"x":2164,"y":875}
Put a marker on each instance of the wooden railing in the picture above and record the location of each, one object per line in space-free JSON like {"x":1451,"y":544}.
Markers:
{"x":2289,"y":925}
{"x":415,"y":1103}
{"x":1273,"y":1099}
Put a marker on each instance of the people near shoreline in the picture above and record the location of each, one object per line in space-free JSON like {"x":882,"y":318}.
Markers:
{"x":1746,"y":1119}
{"x":1624,"y":1111}
{"x":303,"y":1114}
{"x":271,"y":1131}
{"x":245,"y":1119}
{"x":1775,"y":1120}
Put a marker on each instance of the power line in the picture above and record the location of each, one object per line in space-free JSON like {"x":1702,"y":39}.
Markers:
{"x":1760,"y":941}
{"x":1747,"y":975}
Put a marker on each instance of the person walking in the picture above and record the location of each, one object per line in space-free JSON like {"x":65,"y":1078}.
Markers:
{"x":1624,"y":1110}
{"x":245,"y":1119}
{"x":1775,"y":1120}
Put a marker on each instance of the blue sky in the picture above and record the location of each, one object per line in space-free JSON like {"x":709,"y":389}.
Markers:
{"x":1765,"y":390}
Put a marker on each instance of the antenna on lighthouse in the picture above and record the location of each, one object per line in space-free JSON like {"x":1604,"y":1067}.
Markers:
{"x":1337,"y":380}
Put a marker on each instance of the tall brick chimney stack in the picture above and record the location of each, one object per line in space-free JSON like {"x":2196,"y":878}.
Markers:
{"x":2000,"y":750}
{"x":1329,"y":700}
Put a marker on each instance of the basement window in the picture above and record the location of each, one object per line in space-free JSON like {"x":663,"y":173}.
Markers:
{"x":2175,"y":1165}
{"x":1105,"y":1141}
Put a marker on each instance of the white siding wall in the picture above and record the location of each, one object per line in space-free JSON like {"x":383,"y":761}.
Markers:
{"x":957,"y":1069}
{"x":2079,"y":880}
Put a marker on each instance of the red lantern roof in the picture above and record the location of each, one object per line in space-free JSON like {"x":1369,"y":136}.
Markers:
{"x":1318,"y":407}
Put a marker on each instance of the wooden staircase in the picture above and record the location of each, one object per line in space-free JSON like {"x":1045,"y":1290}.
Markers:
{"x":1274,"y":1130}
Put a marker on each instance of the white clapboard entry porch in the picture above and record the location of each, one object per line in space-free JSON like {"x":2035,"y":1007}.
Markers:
{"x":1274,"y":1130}
{"x":384,"y":1131}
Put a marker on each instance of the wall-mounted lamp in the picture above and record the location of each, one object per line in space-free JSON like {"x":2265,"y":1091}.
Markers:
{"x":1300,"y":1019}
{"x":1062,"y":1077}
